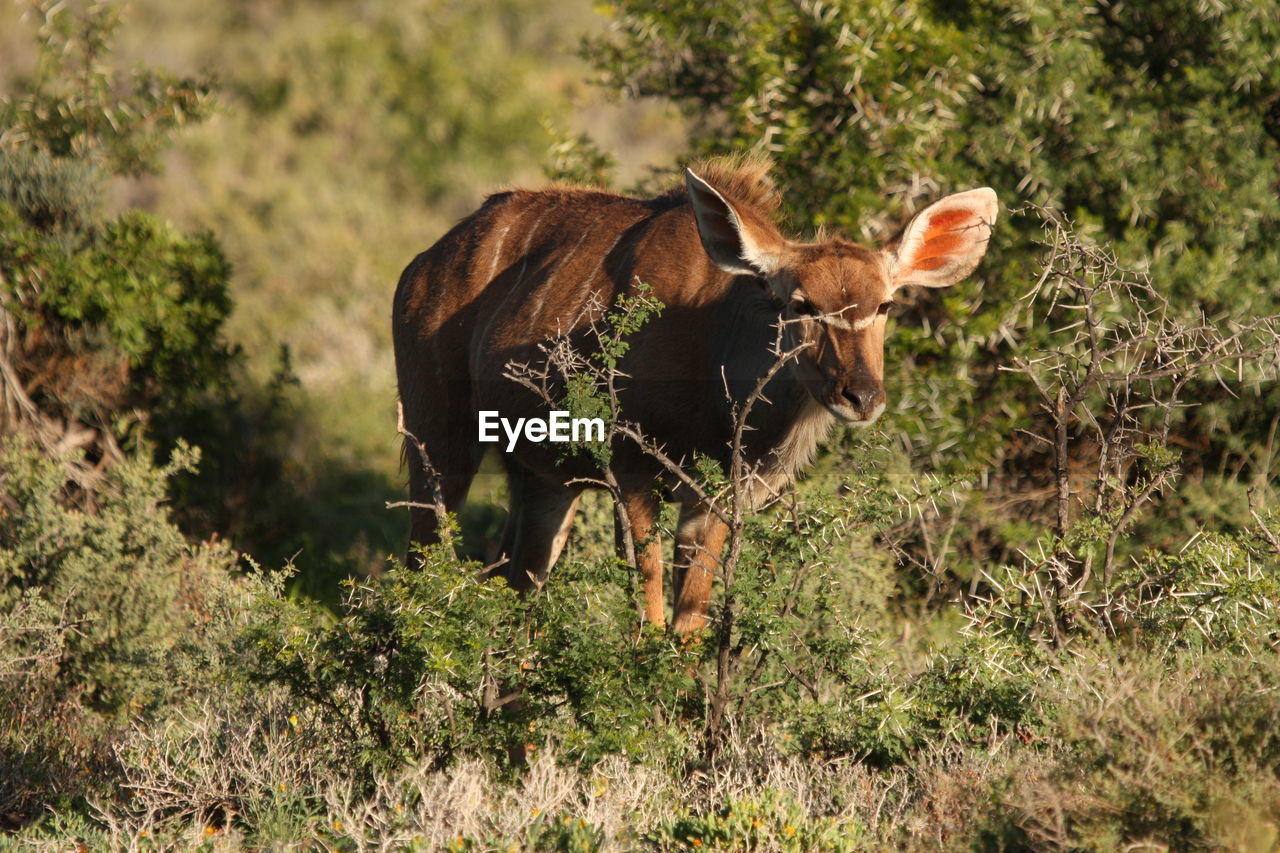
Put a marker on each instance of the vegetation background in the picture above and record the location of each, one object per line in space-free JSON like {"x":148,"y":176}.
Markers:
{"x":1036,"y":610}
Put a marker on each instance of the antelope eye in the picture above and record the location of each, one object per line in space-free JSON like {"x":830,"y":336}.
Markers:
{"x":884,"y":307}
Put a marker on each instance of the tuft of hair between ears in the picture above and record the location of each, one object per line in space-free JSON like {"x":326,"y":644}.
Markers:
{"x":743,"y":178}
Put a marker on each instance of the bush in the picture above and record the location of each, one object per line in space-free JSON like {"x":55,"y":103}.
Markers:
{"x":112,"y":328}
{"x":1180,"y":754}
{"x":134,"y":295}
{"x":109,"y":614}
{"x":121,"y":573}
{"x":55,"y":194}
{"x":437,"y":664}
{"x":109,"y":322}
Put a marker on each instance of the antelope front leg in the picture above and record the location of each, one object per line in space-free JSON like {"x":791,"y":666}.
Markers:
{"x":642,"y":511}
{"x":698,"y":545}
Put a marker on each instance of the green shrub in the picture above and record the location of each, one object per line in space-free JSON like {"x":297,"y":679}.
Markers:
{"x":112,"y":321}
{"x":768,"y":822}
{"x":1216,"y":592}
{"x":51,"y":193}
{"x":120,"y":572}
{"x":109,"y":614}
{"x":439,"y":663}
{"x":133,"y":291}
{"x":115,"y":325}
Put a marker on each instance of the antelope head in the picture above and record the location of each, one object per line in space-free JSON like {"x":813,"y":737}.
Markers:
{"x":834,"y":295}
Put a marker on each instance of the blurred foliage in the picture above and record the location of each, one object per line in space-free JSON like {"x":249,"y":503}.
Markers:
{"x":52,"y":193}
{"x":349,"y":140}
{"x":113,"y":330}
{"x":577,"y":159}
{"x":76,"y":106}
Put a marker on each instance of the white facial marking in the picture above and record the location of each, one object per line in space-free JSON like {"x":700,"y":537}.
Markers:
{"x":850,"y":417}
{"x":835,"y":321}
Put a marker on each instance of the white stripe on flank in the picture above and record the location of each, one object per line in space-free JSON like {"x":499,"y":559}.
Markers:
{"x":524,"y":254}
{"x":497,"y":254}
{"x":546,"y":284}
{"x":533,"y":232}
{"x":606,"y":253}
{"x":541,"y":298}
{"x":585,"y":290}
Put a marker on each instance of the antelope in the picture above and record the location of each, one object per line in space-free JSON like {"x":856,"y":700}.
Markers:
{"x":527,"y":266}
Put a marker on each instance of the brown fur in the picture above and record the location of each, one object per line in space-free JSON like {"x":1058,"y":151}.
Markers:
{"x":527,"y":266}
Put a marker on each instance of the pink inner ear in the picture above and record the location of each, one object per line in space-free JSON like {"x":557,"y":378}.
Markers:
{"x":944,"y":245}
{"x":930,"y":263}
{"x":943,"y":237}
{"x":946,"y":220}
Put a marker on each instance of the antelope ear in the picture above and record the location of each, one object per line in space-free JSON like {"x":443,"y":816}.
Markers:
{"x":737,"y":243}
{"x":946,"y":240}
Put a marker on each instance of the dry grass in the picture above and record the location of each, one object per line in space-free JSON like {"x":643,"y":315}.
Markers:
{"x":242,"y":774}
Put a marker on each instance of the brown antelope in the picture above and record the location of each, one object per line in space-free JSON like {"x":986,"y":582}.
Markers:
{"x":527,"y":267}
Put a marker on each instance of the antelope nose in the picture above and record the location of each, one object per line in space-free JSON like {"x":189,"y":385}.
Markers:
{"x":864,"y":400}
